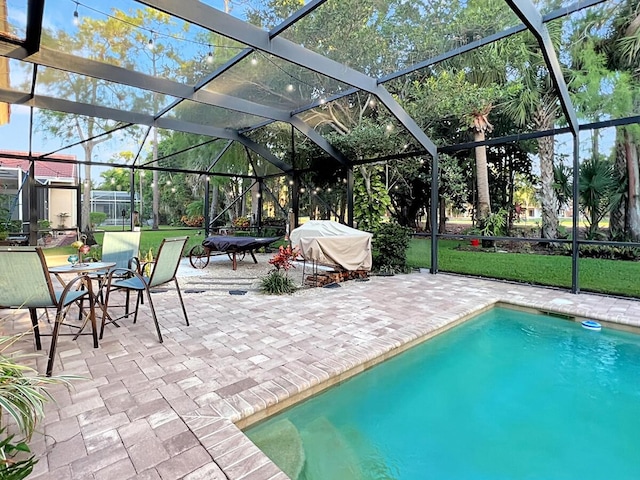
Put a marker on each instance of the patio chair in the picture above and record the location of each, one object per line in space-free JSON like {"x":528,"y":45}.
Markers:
{"x":122,"y":249}
{"x":25,"y":284}
{"x":163,"y":270}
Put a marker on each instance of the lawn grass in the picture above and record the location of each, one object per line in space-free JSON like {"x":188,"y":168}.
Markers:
{"x":603,"y":276}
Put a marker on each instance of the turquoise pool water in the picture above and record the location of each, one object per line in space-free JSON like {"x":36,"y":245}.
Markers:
{"x":507,"y":395}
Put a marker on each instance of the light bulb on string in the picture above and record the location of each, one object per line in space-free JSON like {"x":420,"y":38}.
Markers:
{"x":254,"y":61}
{"x":150,"y":45}
{"x":290,"y":87}
{"x":210,"y":55}
{"x":76,"y":16}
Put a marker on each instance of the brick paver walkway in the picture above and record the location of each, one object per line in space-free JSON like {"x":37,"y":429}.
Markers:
{"x":147,"y":410}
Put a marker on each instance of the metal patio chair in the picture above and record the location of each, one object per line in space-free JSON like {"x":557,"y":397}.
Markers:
{"x":163,"y":270}
{"x":120,"y":248}
{"x":25,"y":283}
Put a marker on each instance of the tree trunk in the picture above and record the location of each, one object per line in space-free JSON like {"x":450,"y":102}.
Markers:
{"x":482,"y":177}
{"x":548,"y":194}
{"x":617,"y":219}
{"x":85,"y":222}
{"x":442,"y":216}
{"x":633,"y":212}
{"x":156,"y":180}
{"x":215,"y":200}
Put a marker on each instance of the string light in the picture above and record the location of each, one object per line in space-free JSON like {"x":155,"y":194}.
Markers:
{"x":290,"y":88}
{"x":254,"y":61}
{"x":210,"y":55}
{"x":153,"y":34}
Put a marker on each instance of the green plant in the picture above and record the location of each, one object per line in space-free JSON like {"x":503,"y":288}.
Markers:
{"x":389,"y":248}
{"x":23,"y":394}
{"x":596,"y":188}
{"x":97,"y":218}
{"x":44,"y":224}
{"x":495,"y":224}
{"x":277,"y":283}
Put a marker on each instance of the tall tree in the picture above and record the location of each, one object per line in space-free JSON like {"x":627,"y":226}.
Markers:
{"x":536,"y":104}
{"x":102,"y":40}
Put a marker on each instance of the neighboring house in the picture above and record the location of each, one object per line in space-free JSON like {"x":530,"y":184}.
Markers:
{"x":57,"y":205}
{"x":113,"y":203}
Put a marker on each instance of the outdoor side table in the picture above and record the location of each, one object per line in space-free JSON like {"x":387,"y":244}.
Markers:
{"x":82,"y":268}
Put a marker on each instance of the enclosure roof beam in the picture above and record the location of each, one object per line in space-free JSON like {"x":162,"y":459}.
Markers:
{"x":263,"y":152}
{"x":66,"y":106}
{"x":91,"y":68}
{"x":297,"y":16}
{"x":219,"y":156}
{"x":554,"y":15}
{"x":35,"y":11}
{"x":217,"y":21}
{"x":531,"y":17}
{"x":319,"y":140}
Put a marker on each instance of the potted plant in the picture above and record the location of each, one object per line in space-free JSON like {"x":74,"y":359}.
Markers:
{"x":22,"y":397}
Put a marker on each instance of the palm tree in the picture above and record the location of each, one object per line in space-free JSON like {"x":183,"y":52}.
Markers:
{"x":537,"y":105}
{"x":623,"y":55}
{"x":480,"y":128}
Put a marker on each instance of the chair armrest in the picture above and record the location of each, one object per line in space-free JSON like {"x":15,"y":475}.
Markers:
{"x":135,"y":264}
{"x":120,"y":272}
{"x":84,"y":279}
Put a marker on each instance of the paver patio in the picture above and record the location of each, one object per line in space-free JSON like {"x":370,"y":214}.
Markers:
{"x":166,"y":411}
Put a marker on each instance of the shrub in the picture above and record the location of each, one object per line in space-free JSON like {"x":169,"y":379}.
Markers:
{"x":193,"y":221}
{"x":97,"y":218}
{"x":389,"y":248}
{"x":277,"y":283}
{"x":241,"y":222}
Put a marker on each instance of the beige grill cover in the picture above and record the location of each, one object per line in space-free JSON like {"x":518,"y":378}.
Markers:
{"x":331,"y":243}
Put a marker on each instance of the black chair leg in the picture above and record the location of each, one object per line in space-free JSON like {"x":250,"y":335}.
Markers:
{"x":36,"y":328}
{"x":54,"y":342}
{"x":94,"y":327}
{"x":138,"y":301}
{"x":153,"y":314}
{"x":184,"y":311}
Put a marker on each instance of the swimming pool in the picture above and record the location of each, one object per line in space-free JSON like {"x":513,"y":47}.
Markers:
{"x":506,"y":395}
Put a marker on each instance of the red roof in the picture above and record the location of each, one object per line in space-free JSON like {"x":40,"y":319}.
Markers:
{"x":44,"y":169}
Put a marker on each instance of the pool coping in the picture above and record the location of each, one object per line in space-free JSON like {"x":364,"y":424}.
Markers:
{"x":219,"y":426}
